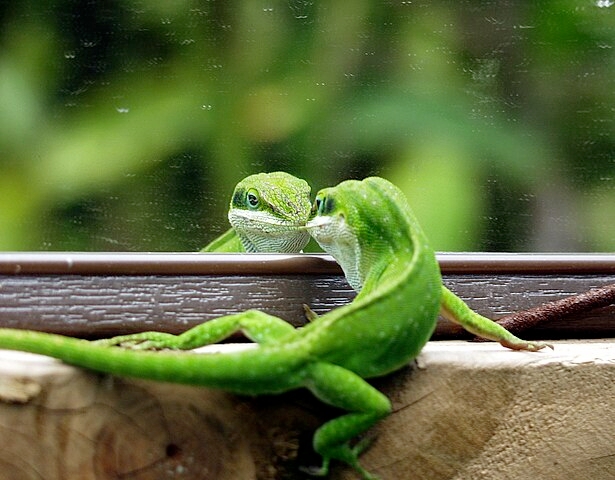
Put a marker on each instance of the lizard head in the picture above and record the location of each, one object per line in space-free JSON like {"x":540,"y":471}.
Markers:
{"x":365,"y":225}
{"x":269,"y":211}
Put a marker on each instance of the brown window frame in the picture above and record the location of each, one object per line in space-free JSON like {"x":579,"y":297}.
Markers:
{"x":92,"y":295}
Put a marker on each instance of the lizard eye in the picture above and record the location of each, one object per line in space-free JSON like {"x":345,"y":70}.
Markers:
{"x":252,"y":198}
{"x":323,"y":205}
{"x":316,"y":209}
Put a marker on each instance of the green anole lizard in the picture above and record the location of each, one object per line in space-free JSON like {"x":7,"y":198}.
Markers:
{"x":267,"y":213}
{"x":368,"y":227}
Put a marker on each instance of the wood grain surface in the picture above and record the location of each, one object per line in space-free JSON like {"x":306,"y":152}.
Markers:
{"x":98,"y":295}
{"x":463,"y":410}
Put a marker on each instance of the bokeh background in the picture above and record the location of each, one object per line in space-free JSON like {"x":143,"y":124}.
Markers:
{"x":124,"y":125}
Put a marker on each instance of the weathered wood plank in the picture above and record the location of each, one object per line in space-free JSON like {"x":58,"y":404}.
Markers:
{"x":68,"y":423}
{"x":97,"y":295}
{"x":469,"y":411}
{"x":476,"y":411}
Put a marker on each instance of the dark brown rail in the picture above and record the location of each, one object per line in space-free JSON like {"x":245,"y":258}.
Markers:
{"x":102,"y":294}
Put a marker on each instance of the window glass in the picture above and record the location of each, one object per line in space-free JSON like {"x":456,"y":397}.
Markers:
{"x":124,"y":125}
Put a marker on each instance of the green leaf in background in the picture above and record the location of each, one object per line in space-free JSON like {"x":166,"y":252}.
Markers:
{"x":125,"y":125}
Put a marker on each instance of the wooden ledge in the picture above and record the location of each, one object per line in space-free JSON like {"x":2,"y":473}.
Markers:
{"x":466,"y":410}
{"x":469,"y":410}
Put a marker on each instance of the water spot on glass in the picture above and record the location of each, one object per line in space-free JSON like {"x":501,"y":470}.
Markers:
{"x":301,"y":9}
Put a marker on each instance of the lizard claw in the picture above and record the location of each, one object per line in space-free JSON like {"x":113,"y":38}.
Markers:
{"x":133,"y":342}
{"x":529,"y":346}
{"x":350,"y":456}
{"x":310,"y":314}
{"x":314,"y":471}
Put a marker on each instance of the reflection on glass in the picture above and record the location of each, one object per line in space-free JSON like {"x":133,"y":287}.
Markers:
{"x":125,"y":126}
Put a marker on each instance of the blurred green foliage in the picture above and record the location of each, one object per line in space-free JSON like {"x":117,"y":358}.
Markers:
{"x":124,"y":125}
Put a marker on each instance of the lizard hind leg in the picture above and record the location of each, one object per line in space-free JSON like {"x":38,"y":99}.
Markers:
{"x":345,"y":389}
{"x":258,"y":326}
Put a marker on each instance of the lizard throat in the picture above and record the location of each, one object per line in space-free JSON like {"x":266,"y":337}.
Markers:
{"x":262,"y":232}
{"x":337,"y":239}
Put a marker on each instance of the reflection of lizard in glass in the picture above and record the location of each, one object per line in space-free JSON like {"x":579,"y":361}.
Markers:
{"x":267,"y":213}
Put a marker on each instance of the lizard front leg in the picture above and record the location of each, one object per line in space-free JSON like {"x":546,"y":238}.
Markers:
{"x":342,"y":388}
{"x":456,"y":310}
{"x":258,"y":326}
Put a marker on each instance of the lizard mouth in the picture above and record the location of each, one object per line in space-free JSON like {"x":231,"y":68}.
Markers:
{"x":318,"y":222}
{"x":323,"y":228}
{"x":266,"y":219}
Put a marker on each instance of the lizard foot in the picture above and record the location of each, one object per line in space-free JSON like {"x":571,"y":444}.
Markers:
{"x":138,"y":341}
{"x":523,"y":345}
{"x":310,"y":314}
{"x":348,"y":455}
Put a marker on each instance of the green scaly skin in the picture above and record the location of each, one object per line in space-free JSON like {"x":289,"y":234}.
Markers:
{"x":267,"y":212}
{"x":370,"y":230}
{"x":275,"y":225}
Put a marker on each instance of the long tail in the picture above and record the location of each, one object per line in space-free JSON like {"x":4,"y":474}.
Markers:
{"x":256,"y":371}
